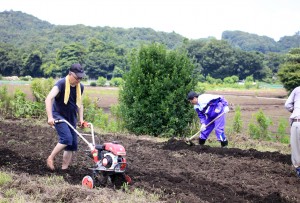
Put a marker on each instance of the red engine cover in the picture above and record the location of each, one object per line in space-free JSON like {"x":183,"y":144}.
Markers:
{"x":116,"y":149}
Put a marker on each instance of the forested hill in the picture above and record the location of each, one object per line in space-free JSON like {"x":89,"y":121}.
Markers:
{"x":23,"y":31}
{"x":32,"y":47}
{"x":252,"y":42}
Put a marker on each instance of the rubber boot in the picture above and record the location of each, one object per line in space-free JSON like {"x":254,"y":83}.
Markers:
{"x":224,"y":144}
{"x":201,"y":141}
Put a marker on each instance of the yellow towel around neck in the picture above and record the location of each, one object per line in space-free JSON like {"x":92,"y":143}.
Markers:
{"x":67,"y":92}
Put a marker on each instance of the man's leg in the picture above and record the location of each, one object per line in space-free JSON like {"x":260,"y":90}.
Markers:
{"x":67,"y":158}
{"x":69,"y":151}
{"x":295,"y":145}
{"x":58,"y":148}
{"x":65,"y":139}
{"x":220,"y":131}
{"x":205,"y":133}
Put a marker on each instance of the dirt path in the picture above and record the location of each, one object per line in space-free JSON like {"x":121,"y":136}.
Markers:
{"x":177,"y":171}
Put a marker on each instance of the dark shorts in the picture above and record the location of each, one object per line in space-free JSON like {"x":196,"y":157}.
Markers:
{"x":66,"y":136}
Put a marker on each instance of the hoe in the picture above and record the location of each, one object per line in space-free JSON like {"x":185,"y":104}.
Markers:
{"x":189,"y":140}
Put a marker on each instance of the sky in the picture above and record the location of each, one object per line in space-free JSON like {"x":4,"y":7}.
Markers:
{"x":193,"y":19}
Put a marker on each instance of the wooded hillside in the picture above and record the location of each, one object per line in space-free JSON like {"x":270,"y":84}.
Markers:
{"x":29,"y":46}
{"x":23,"y":30}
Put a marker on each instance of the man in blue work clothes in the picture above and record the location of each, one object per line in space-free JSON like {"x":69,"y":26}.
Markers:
{"x":208,"y":108}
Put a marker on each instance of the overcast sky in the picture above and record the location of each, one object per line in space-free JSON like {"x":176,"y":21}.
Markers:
{"x":193,"y":19}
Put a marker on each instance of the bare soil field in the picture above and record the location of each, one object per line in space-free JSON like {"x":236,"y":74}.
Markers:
{"x":173,"y":169}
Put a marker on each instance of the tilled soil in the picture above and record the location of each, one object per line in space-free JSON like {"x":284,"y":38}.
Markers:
{"x":177,"y":171}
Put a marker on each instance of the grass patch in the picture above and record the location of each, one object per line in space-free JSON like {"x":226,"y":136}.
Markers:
{"x":99,"y":91}
{"x":10,"y":193}
{"x":5,"y":178}
{"x":36,"y":189}
{"x":52,"y":180}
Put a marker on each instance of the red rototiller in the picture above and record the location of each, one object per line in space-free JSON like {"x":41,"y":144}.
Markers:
{"x":109,"y":161}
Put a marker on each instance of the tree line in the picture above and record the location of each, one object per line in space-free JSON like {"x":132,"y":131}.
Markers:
{"x":29,"y":46}
{"x":216,"y":58}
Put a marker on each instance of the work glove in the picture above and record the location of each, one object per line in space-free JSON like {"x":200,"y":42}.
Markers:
{"x":217,"y":110}
{"x":226,"y":109}
{"x":203,"y":127}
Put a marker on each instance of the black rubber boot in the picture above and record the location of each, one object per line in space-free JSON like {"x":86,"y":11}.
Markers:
{"x":201,"y":141}
{"x":224,"y":144}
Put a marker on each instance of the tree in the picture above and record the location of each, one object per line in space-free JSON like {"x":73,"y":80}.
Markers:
{"x":10,"y":60}
{"x":289,"y":71}
{"x":273,"y":60}
{"x":69,"y":54}
{"x":218,"y":59}
{"x":50,"y":69}
{"x":153,"y":98}
{"x":103,"y":58}
{"x":32,"y":64}
{"x":249,"y":63}
{"x":194,"y":50}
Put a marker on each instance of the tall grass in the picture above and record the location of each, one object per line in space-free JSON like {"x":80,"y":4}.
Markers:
{"x":259,"y":130}
{"x":5,"y":178}
{"x":237,"y":122}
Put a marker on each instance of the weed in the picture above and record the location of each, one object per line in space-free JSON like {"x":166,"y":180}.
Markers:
{"x":40,"y":88}
{"x":5,"y":201}
{"x":19,"y":199}
{"x":231,"y":135}
{"x":282,"y":136}
{"x":5,"y":178}
{"x":254,"y":131}
{"x":237,"y":122}
{"x":260,"y":130}
{"x":10,"y":193}
{"x":125,"y":187}
{"x":4,"y":101}
{"x":53,"y":180}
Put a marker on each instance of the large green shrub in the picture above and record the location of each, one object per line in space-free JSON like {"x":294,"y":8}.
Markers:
{"x":153,"y":98}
